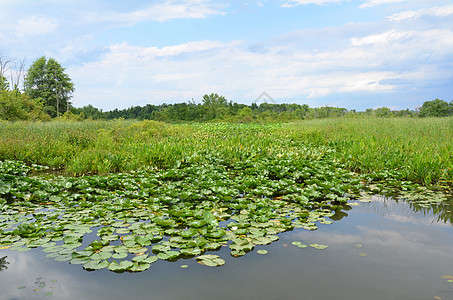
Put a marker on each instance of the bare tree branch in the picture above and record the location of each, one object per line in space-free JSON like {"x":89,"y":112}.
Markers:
{"x":19,"y":68}
{"x":4,"y":63}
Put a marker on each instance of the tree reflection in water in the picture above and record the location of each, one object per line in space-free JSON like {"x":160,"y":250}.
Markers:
{"x":3,"y":263}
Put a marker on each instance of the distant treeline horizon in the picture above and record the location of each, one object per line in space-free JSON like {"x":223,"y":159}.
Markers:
{"x":217,"y":108}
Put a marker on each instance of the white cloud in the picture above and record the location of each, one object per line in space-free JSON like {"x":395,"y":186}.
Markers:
{"x":172,"y":9}
{"x":382,"y":38}
{"x":34,"y":26}
{"x":293,"y":3}
{"x":437,"y":11}
{"x":383,"y":62}
{"x":371,"y":3}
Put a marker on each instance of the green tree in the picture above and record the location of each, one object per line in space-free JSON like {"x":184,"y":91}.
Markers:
{"x":436,"y":108}
{"x":383,"y":112}
{"x":46,"y":80}
{"x":3,"y":83}
{"x":215,"y":106}
{"x":16,"y":106}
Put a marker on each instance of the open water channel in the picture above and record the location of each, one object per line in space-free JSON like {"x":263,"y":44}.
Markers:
{"x":383,"y":249}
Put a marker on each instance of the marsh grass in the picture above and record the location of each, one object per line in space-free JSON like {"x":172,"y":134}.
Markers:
{"x":420,"y":150}
{"x":406,"y":148}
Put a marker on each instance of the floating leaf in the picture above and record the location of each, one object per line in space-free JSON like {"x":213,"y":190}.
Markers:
{"x":210,"y":260}
{"x":262,"y":251}
{"x":95,"y":265}
{"x":119,"y":267}
{"x":119,"y":255}
{"x":317,"y":246}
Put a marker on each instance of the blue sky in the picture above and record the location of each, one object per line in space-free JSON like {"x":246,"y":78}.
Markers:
{"x":355,"y":54}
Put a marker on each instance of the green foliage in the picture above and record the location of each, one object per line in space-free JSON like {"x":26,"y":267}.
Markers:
{"x":16,"y":106}
{"x":191,"y":189}
{"x":436,"y":108}
{"x":410,"y":148}
{"x":46,"y":80}
{"x":215,"y":106}
{"x":88,"y":111}
{"x":414,"y":149}
{"x":4,"y":85}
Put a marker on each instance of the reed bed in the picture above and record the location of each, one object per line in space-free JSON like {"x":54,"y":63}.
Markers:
{"x":414,"y":149}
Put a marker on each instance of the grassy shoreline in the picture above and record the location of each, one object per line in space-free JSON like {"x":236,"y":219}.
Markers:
{"x":419,"y":150}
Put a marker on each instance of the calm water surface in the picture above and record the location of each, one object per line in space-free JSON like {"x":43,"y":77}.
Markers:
{"x":378,"y":250}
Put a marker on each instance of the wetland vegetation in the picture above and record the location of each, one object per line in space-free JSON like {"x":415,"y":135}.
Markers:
{"x":123,"y":194}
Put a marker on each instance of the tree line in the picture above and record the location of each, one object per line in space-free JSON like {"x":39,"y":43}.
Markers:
{"x":47,"y":91}
{"x":41,"y":93}
{"x":216,"y":108}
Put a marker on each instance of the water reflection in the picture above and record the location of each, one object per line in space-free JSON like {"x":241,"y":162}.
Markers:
{"x":379,"y":250}
{"x":4,"y":263}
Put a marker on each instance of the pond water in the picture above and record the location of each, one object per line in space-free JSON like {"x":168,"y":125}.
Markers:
{"x":383,"y":249}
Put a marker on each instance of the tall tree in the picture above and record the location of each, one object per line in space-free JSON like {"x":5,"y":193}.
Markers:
{"x":436,"y":108}
{"x":47,"y":80}
{"x":215,"y":106}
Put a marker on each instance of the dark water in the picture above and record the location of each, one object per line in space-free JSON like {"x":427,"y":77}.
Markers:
{"x":380,"y":250}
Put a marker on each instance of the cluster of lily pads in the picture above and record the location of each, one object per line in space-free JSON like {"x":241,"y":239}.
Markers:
{"x":127,"y":221}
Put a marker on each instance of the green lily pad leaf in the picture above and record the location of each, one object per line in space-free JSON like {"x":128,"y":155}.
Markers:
{"x":216,"y":234}
{"x":119,"y":267}
{"x":49,"y":244}
{"x":151,"y":259}
{"x":160,"y":248}
{"x":184,"y":266}
{"x":23,"y":249}
{"x":190,"y":251}
{"x":212,"y":246}
{"x":53,"y":255}
{"x":120,"y":255}
{"x":79,"y":261}
{"x":140,"y":258}
{"x":105,"y":255}
{"x":95,"y":265}
{"x":168,"y":255}
{"x":129,"y":244}
{"x":66,"y":257}
{"x":120,"y":249}
{"x":317,"y":246}
{"x":261,"y":240}
{"x":110,"y":238}
{"x":210,"y":260}
{"x":136,"y":250}
{"x":52,"y":249}
{"x":210,"y":219}
{"x":107,"y":249}
{"x":139,"y":267}
{"x":142,"y":240}
{"x":197,"y":223}
{"x":122,"y":231}
{"x":71,"y":246}
{"x":241,"y":231}
{"x":262,"y":251}
{"x":188,"y":233}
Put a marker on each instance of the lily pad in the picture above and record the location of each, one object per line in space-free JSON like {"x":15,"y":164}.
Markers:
{"x":317,"y":246}
{"x":210,"y":260}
